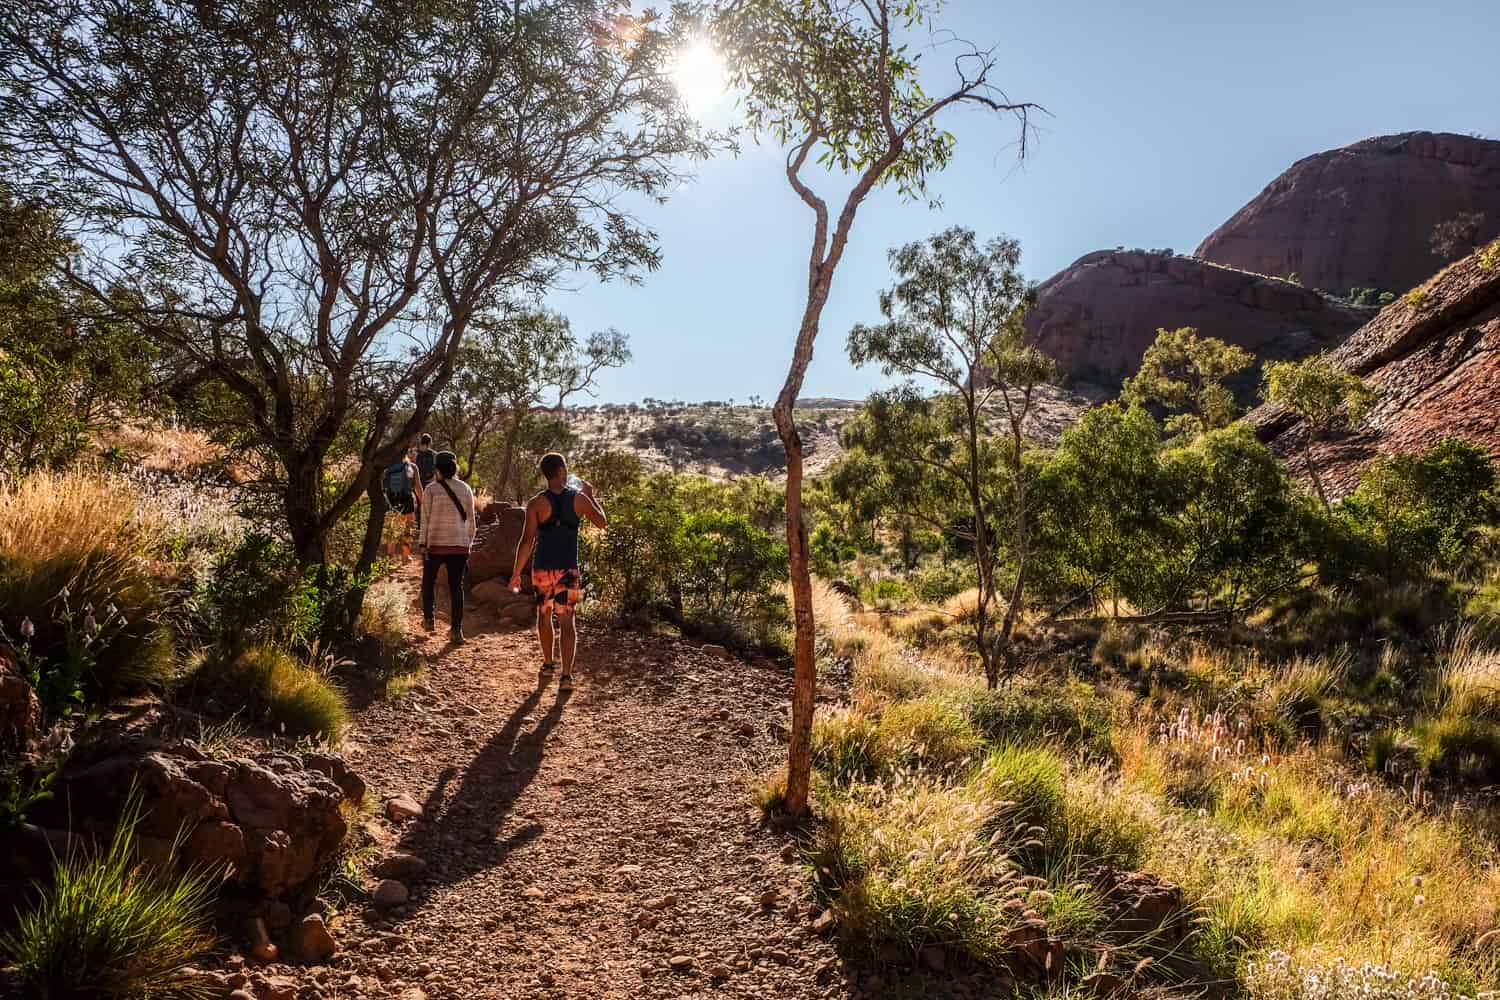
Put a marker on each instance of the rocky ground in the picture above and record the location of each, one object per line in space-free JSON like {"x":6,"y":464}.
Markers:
{"x":594,"y":845}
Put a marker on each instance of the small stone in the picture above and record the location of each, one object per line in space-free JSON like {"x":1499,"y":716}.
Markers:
{"x":661,"y":902}
{"x":789,"y":852}
{"x":314,"y":944}
{"x":400,"y":808}
{"x":535,"y":893}
{"x":716,"y":651}
{"x":770,"y":898}
{"x":391,"y":893}
{"x":628,"y":871}
{"x":824,"y":922}
{"x":779,"y":956}
{"x":261,"y":947}
{"x":718,"y":972}
{"x":747,"y":729}
{"x":400,"y":866}
{"x":680,"y":963}
{"x":278,"y":988}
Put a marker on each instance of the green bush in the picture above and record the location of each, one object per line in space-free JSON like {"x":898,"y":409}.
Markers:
{"x":108,"y":927}
{"x":929,"y":732}
{"x":1070,"y":717}
{"x":1029,"y":782}
{"x":288,"y":697}
{"x":256,"y":593}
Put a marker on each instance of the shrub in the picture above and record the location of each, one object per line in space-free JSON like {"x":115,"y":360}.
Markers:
{"x":929,"y":732}
{"x":846,"y":746}
{"x":108,"y":927}
{"x":911,"y":867}
{"x":291,"y":698}
{"x":1025,"y":785}
{"x":76,"y":541}
{"x":383,"y":614}
{"x":1416,"y":299}
{"x":1070,"y":717}
{"x":939,"y":582}
{"x":256,"y":593}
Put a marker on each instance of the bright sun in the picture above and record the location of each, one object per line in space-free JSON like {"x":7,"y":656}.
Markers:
{"x":699,"y":76}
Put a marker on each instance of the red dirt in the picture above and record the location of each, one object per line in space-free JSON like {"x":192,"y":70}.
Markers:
{"x":559,"y":829}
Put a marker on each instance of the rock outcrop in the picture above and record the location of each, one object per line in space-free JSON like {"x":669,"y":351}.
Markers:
{"x":1098,"y":316}
{"x":494,"y":553}
{"x":1433,"y":359}
{"x":1362,"y":216}
{"x":20,"y":713}
{"x":268,"y":825}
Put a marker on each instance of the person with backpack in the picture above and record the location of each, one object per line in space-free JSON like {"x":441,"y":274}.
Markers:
{"x":403,"y":493}
{"x":551,"y":536}
{"x":446,"y":535}
{"x":423,"y":460}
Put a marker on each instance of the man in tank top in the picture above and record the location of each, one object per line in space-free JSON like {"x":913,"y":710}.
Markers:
{"x":550,"y":544}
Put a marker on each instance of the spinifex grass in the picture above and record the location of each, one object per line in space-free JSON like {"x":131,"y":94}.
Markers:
{"x":109,"y":927}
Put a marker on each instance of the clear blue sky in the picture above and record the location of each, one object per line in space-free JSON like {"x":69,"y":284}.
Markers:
{"x":1166,"y":117}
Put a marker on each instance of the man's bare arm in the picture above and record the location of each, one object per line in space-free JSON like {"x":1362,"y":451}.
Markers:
{"x":585,"y":505}
{"x":525,"y":546}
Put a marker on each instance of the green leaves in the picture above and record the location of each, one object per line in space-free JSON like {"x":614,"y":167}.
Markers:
{"x":1184,"y":372}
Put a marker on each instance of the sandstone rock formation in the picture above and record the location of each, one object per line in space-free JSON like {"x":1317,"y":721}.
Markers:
{"x":269,"y":824}
{"x":494,"y":553}
{"x":1098,"y":316}
{"x":1362,"y":216}
{"x":1433,"y":359}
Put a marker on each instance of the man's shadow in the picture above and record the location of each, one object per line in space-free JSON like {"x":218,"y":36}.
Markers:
{"x":470,"y":831}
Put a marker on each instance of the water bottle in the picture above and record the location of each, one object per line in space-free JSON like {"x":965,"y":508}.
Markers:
{"x":574,"y":483}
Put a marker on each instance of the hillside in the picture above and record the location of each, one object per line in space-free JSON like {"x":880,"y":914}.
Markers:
{"x":1361,"y":216}
{"x":1433,"y":359}
{"x":1098,"y":316}
{"x":720,"y":439}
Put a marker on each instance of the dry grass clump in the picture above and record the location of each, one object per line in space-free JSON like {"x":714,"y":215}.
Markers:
{"x":70,"y":541}
{"x":166,"y":447}
{"x":911,"y":864}
{"x":290,"y":698}
{"x":383,"y":615}
{"x":1288,"y":851}
{"x":1464,"y":727}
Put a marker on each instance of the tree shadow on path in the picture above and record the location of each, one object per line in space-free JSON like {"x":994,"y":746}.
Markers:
{"x":470,"y":834}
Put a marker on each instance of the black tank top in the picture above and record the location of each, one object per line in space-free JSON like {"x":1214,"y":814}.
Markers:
{"x":557,"y":539}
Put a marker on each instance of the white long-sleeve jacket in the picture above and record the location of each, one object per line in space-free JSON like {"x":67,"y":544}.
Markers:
{"x":444,"y":532}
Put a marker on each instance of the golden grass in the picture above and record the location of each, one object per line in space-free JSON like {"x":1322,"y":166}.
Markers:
{"x":1468,"y":681}
{"x":68,"y":540}
{"x":165,"y":448}
{"x":385,"y":612}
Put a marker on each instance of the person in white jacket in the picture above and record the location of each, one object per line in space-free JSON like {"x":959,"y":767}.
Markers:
{"x":448,"y":528}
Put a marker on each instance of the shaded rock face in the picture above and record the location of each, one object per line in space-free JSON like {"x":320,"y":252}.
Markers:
{"x":20,"y":713}
{"x":1097,"y":317}
{"x":270,"y":824}
{"x":1435,"y":369}
{"x":1362,"y":216}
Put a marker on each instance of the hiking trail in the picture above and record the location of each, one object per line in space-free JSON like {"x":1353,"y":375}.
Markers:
{"x":596,"y":844}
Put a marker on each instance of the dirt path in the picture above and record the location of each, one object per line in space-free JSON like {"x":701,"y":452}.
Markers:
{"x":594,"y":845}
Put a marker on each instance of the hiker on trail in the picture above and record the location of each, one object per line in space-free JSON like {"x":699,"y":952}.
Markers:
{"x":445,"y":537}
{"x":552,"y":520}
{"x":424,"y":461}
{"x":403,"y":493}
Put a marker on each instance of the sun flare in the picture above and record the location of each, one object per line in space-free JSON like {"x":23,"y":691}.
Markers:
{"x":699,"y":75}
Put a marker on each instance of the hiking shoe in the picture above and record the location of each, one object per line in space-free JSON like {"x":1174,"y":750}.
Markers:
{"x":428,"y":625}
{"x":456,"y":636}
{"x":544,"y":673}
{"x":565,"y":683}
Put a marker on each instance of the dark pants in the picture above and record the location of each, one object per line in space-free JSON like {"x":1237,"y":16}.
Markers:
{"x":456,"y":567}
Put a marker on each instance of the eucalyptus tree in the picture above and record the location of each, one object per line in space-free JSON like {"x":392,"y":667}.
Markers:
{"x":837,"y":85}
{"x":1323,"y":393}
{"x":514,"y":361}
{"x":1185,"y":372}
{"x":310,"y":203}
{"x":953,"y":318}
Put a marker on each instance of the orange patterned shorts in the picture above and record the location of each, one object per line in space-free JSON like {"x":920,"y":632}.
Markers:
{"x":557,"y":590}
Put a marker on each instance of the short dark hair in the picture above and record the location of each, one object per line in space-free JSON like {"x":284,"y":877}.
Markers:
{"x":426,"y":440}
{"x":551,"y":464}
{"x":447,"y":464}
